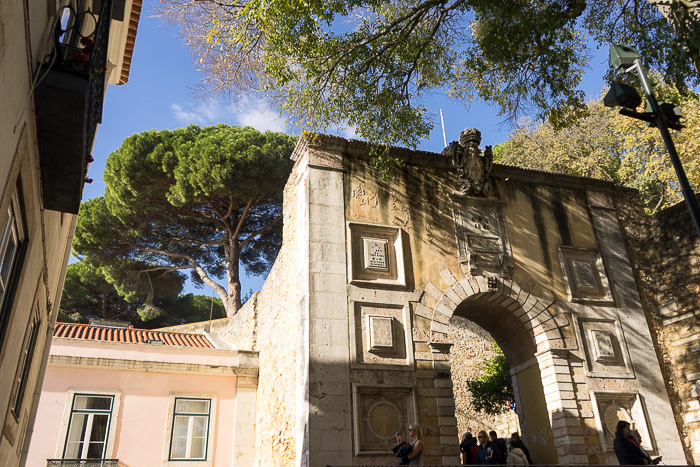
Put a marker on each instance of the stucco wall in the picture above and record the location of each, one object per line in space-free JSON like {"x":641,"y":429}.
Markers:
{"x":48,"y":233}
{"x":143,"y":413}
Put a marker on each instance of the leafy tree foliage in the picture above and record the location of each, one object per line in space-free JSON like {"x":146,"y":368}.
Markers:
{"x":613,"y":147}
{"x":87,"y":294}
{"x":187,"y":308}
{"x":369,"y":64}
{"x":492,"y":392}
{"x":198,"y":199}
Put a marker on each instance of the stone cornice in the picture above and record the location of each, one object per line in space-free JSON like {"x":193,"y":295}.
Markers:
{"x":361,"y":150}
{"x":74,"y":361}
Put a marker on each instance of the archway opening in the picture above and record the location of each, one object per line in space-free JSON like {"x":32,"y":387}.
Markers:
{"x":476,"y":324}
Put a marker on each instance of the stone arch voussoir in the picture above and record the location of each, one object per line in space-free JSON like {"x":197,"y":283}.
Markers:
{"x":534,"y":312}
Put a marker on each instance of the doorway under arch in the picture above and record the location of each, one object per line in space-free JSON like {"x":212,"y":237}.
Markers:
{"x":531,"y":339}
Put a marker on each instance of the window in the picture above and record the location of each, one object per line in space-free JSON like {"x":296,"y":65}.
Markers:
{"x":88,"y":428}
{"x":25,"y":364}
{"x":190,"y":429}
{"x":11,"y":242}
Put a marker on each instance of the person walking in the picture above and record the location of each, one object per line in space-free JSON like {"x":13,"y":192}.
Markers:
{"x":516,"y":437}
{"x":516,"y":456}
{"x":486,"y":452}
{"x":468,"y":449}
{"x":626,"y":448}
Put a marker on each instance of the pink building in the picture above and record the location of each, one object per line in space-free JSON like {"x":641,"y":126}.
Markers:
{"x":144,"y":398}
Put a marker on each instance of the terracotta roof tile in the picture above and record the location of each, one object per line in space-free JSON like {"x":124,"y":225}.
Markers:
{"x":131,"y":335}
{"x":131,"y":40}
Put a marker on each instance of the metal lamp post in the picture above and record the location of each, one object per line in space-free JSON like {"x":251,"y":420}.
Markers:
{"x":662,"y":115}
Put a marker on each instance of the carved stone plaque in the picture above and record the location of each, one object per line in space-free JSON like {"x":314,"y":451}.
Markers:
{"x":377,"y":413}
{"x":584,"y":275}
{"x":603,"y":345}
{"x":482,"y":240}
{"x":610,"y":407}
{"x":604,"y":348}
{"x":381,"y":333}
{"x":376,"y":253}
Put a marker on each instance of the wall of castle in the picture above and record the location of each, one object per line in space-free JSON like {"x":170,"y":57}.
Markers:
{"x":355,"y":325}
{"x":672,"y":284}
{"x":472,"y":346}
{"x":561,"y":252}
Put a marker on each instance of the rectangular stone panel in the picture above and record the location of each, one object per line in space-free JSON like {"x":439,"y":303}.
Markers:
{"x":585,"y":276}
{"x":375,"y":254}
{"x":378,"y":412}
{"x":380,"y":335}
{"x":604,"y":348}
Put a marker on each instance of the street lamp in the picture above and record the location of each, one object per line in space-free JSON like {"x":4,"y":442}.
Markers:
{"x":663,"y":116}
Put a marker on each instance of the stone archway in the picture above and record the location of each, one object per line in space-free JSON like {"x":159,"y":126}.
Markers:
{"x":530,"y":333}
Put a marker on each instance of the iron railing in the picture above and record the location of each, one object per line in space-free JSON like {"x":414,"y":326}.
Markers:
{"x":81,"y":41}
{"x":82,"y":462}
{"x":503,"y":465}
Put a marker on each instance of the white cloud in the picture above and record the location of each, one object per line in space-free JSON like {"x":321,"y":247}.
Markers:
{"x":260,"y":117}
{"x":204,"y":113}
{"x":347,"y":132}
{"x":252,"y":113}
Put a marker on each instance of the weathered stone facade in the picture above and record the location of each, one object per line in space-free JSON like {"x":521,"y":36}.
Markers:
{"x":471,"y":347}
{"x":357,"y":324}
{"x":540,"y":264}
{"x":666,"y":254}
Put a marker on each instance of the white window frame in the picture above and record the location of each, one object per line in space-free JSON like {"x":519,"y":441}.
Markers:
{"x":23,"y":372}
{"x":12,"y":227}
{"x":68,"y":409}
{"x":211,"y":431}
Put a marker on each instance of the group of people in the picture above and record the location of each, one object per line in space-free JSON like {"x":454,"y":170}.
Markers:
{"x":484,"y":450}
{"x":490,"y":449}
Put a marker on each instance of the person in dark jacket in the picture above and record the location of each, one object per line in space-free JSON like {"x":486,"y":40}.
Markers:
{"x":401,"y":450}
{"x":516,"y":437}
{"x":468,"y":449}
{"x":501,"y":445}
{"x":486,"y":452}
{"x":626,"y":448}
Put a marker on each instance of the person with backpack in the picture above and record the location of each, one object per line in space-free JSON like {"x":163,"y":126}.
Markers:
{"x":468,"y":449}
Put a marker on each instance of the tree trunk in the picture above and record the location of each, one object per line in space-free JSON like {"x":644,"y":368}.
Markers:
{"x":232,"y":252}
{"x":684,"y":16}
{"x":104,"y":305}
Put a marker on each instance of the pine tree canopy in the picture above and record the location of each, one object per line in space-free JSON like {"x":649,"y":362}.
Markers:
{"x":204,"y":200}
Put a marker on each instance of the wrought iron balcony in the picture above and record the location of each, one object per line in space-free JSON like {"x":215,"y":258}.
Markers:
{"x":69,"y":95}
{"x":82,"y":462}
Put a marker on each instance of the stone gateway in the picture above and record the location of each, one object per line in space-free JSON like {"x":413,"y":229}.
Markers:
{"x":353,"y":323}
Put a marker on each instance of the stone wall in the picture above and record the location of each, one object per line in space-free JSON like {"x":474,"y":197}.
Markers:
{"x":472,"y":346}
{"x":666,"y":254}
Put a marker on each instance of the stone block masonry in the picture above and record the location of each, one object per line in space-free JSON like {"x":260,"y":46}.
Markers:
{"x":666,"y":254}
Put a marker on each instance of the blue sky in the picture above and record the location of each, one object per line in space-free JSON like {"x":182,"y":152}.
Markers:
{"x":159,"y":95}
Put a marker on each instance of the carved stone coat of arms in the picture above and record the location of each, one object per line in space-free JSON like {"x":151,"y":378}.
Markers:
{"x":472,"y":166}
